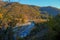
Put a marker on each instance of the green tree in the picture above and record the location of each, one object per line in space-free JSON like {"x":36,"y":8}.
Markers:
{"x":54,"y":28}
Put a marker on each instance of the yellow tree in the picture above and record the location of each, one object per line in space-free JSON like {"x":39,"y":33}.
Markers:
{"x":1,"y":16}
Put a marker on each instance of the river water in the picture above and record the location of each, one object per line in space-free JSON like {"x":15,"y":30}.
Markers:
{"x":23,"y":31}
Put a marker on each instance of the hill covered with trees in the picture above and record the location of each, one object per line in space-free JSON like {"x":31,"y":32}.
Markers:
{"x":18,"y":12}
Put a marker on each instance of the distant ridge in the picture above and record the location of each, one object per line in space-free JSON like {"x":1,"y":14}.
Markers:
{"x":51,"y":10}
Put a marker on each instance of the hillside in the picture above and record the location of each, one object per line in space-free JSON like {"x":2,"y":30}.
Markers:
{"x":15,"y":12}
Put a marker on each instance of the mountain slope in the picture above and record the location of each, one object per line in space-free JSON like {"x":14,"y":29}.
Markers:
{"x":20,"y":12}
{"x":16,"y":9}
{"x":12,"y":12}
